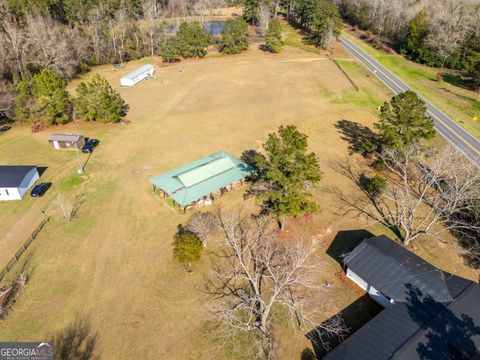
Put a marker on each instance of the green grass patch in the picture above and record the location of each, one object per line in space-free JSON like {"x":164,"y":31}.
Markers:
{"x":71,"y":182}
{"x":458,"y":103}
{"x":294,"y":38}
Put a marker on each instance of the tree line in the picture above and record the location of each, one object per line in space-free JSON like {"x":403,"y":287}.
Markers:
{"x":68,"y":36}
{"x":442,"y":33}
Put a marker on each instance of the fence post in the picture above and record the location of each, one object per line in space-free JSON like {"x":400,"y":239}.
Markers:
{"x":23,"y":248}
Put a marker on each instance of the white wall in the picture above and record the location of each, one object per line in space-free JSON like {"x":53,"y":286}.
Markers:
{"x":25,"y":185}
{"x":124,"y":81}
{"x":28,"y":181}
{"x":357,"y":279}
{"x":374,"y":293}
{"x":9,"y":194}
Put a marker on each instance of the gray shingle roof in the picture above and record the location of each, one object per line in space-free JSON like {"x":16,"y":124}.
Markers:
{"x":138,"y":71}
{"x":390,"y":268}
{"x":419,"y":329}
{"x":65,"y":137}
{"x":12,"y":176}
{"x":436,"y":315}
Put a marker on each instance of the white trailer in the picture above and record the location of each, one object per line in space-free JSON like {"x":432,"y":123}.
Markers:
{"x":142,"y":73}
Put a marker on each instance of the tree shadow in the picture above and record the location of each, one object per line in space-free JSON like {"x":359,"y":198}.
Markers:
{"x":41,"y":170}
{"x":248,"y":157}
{"x":263,"y":48}
{"x":363,"y":202}
{"x":447,"y":332}
{"x":360,"y":138}
{"x":76,"y":341}
{"x":307,"y":354}
{"x":458,"y":80}
{"x":355,"y":315}
{"x":345,"y":241}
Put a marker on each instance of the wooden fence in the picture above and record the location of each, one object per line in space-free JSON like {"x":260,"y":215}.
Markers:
{"x":346,"y":75}
{"x":22,"y":249}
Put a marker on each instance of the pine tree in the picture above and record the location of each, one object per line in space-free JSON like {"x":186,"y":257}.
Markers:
{"x":287,"y":173}
{"x":250,"y":10}
{"x":417,"y":33}
{"x":98,"y":101}
{"x":273,"y":38}
{"x":234,"y":36}
{"x":326,"y":24}
{"x":43,"y":99}
{"x":192,"y":40}
{"x":403,"y":122}
{"x":169,"y":51}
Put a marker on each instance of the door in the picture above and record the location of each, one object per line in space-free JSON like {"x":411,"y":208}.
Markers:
{"x":55,"y":144}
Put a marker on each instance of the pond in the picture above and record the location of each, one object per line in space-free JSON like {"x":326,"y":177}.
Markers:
{"x":210,"y":27}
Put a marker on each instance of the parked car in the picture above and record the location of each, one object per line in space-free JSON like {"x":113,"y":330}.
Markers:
{"x":40,"y":189}
{"x":90,"y":144}
{"x":4,"y":128}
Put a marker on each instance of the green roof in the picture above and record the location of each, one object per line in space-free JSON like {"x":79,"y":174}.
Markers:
{"x":193,"y":181}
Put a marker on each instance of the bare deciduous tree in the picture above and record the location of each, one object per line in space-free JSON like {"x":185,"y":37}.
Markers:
{"x":202,"y":224}
{"x":6,"y":99}
{"x":69,"y":206}
{"x":448,"y":25}
{"x":53,"y":48}
{"x":264,"y":16}
{"x":256,"y":272}
{"x":13,"y":43}
{"x":153,"y":16}
{"x":420,"y":199}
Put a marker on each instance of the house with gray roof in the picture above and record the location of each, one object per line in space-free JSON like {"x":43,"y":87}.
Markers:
{"x":16,"y":180}
{"x":428,"y":314}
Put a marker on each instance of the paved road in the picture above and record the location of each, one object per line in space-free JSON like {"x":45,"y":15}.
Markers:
{"x":448,"y":128}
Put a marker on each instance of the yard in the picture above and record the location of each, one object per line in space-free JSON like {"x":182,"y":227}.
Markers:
{"x":113,"y":265}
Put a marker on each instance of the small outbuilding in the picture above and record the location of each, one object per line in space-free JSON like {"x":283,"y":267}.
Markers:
{"x":142,"y":73}
{"x":66,"y":141}
{"x":15,"y":181}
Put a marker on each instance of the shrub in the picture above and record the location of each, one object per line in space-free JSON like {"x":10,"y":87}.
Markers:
{"x":234,"y":36}
{"x":187,"y":248}
{"x":376,"y":185}
{"x":97,"y":101}
{"x":273,"y":38}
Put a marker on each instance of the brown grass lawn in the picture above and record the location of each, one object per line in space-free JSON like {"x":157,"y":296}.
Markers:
{"x":113,"y":263}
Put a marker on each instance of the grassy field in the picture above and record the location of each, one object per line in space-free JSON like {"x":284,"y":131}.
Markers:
{"x":457,"y":102}
{"x":112,"y":265}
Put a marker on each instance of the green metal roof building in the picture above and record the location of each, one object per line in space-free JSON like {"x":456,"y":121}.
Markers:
{"x":202,"y":177}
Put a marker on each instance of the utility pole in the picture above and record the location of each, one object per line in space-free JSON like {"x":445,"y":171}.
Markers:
{"x":80,"y":166}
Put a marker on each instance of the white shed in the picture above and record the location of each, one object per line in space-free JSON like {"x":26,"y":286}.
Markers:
{"x":142,"y":73}
{"x":15,"y":181}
